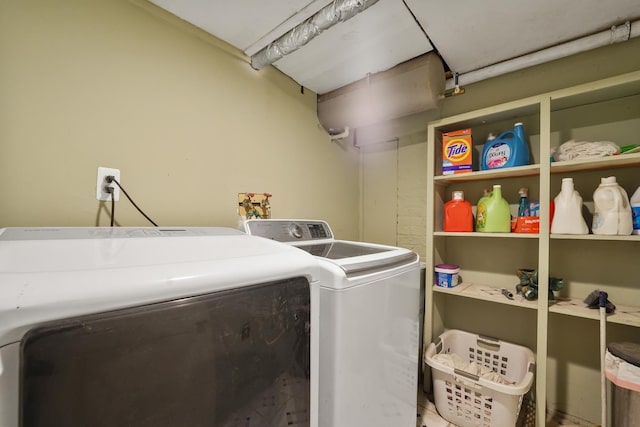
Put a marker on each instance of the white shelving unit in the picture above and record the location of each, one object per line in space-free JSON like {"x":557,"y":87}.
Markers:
{"x":604,"y":110}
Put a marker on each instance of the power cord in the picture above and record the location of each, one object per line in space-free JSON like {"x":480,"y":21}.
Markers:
{"x":108,"y":189}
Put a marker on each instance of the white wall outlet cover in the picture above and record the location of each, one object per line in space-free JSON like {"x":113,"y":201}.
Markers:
{"x":101,"y":194}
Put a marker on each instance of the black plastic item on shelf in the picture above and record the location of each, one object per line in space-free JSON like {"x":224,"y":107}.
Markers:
{"x":593,"y":301}
{"x":528,"y":286}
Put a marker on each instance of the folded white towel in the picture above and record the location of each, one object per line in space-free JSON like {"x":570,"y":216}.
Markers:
{"x":571,"y":150}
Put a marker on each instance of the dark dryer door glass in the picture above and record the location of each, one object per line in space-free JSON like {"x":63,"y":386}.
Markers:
{"x":228,"y":359}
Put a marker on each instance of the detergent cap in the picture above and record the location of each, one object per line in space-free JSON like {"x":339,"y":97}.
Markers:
{"x":458,"y":195}
{"x":523,"y":192}
{"x":567,"y":185}
{"x":610,"y":180}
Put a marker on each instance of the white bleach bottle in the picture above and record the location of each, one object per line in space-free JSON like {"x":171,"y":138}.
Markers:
{"x":612,"y":215}
{"x":635,"y":211}
{"x":567,"y":218}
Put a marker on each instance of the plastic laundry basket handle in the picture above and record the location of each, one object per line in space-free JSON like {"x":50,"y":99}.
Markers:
{"x":488,"y":343}
{"x":439,"y":345}
{"x":474,"y":384}
{"x":466,"y":374}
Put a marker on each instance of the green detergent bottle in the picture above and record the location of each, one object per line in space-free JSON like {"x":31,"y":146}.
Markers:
{"x":485,"y":194}
{"x":493,"y":214}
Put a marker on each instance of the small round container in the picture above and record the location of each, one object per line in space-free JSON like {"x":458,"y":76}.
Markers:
{"x":447,"y":275}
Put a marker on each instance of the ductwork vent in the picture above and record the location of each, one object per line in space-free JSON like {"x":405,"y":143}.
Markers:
{"x":335,"y":12}
{"x":411,"y":87}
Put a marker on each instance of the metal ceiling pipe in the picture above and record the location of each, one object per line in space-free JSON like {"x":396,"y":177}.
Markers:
{"x":615,"y":34}
{"x":301,"y":34}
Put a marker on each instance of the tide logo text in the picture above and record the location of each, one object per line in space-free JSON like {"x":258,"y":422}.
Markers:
{"x":457,"y":150}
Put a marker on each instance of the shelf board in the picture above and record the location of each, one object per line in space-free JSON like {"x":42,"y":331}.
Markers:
{"x":518,"y":171}
{"x":595,"y":237}
{"x":486,"y":293}
{"x":624,"y":315}
{"x":622,"y":160}
{"x":511,"y":111}
{"x":501,"y":235}
{"x":594,"y":92}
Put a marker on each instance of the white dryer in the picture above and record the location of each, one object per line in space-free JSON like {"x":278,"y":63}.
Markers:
{"x":156,"y":327}
{"x":369,"y":325}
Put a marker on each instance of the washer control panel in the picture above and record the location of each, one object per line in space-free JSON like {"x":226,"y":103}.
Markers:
{"x":289,"y":230}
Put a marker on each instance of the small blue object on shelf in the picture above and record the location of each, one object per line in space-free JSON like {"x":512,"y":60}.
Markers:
{"x":447,"y":275}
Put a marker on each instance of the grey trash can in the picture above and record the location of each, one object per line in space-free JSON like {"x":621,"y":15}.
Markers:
{"x":622,"y":363}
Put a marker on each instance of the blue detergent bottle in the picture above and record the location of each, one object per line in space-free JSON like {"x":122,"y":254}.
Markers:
{"x":507,"y":150}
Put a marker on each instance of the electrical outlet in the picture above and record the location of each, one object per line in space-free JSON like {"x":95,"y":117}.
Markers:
{"x":101,"y":183}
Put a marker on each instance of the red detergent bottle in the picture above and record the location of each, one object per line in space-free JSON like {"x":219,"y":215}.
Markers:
{"x":458,"y":215}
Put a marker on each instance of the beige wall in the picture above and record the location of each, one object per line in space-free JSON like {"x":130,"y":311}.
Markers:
{"x":379,"y":194}
{"x":122,"y":84}
{"x":409,"y":171}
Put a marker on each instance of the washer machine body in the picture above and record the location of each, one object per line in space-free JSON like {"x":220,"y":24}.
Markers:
{"x":369,"y":325}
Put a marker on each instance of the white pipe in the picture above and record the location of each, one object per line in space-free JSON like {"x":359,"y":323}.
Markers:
{"x":340,"y":135}
{"x":616,"y":34}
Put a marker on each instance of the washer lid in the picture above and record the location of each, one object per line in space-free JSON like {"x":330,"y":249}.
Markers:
{"x":357,"y":258}
{"x":316,"y":237}
{"x":340,"y":250}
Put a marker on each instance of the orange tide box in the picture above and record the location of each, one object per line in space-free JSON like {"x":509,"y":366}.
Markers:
{"x":456,"y":152}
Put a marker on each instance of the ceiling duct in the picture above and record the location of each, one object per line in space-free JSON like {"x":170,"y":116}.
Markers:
{"x":411,"y":87}
{"x":301,"y":34}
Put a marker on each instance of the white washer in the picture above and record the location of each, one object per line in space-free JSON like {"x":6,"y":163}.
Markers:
{"x":369,"y":325}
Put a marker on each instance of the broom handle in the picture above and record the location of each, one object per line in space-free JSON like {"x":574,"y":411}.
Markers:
{"x":603,"y":349}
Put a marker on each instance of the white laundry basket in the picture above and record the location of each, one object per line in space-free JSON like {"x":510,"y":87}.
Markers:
{"x":467,"y":400}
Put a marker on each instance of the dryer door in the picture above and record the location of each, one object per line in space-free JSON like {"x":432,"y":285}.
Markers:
{"x":237,"y":357}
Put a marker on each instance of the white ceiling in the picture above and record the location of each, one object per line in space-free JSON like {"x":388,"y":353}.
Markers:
{"x":468,"y":34}
{"x":364,"y":44}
